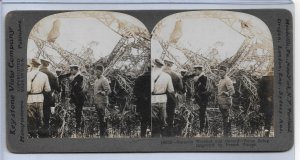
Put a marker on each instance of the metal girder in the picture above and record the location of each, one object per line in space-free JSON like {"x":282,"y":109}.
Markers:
{"x":66,"y":55}
{"x":125,"y":84}
{"x":249,"y":85}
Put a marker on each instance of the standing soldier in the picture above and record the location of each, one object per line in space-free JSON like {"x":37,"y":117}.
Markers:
{"x":161,"y":84}
{"x":76,"y":93}
{"x":101,"y":92}
{"x":48,"y":96}
{"x":225,"y":91}
{"x":172,"y":101}
{"x":265,"y":92}
{"x":187,"y":81}
{"x":37,"y":83}
{"x":201,"y":94}
{"x":64,"y":85}
{"x":142,"y":92}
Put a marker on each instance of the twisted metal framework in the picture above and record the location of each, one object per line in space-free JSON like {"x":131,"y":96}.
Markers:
{"x":67,"y":56}
{"x":132,"y":36}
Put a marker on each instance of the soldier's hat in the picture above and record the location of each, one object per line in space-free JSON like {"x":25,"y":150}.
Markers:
{"x":198,"y":66}
{"x":35,"y":61}
{"x":183,"y":70}
{"x":58,"y":70}
{"x":74,"y":66}
{"x":223,"y":68}
{"x":168,"y":60}
{"x":158,"y":62}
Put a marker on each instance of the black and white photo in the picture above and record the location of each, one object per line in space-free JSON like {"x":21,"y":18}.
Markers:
{"x":92,"y":60}
{"x":221,"y":64}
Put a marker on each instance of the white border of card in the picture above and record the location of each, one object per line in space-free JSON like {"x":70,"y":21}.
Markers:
{"x":135,"y":5}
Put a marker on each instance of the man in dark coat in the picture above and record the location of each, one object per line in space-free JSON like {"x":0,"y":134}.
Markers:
{"x":76,"y":93}
{"x":201,"y":94}
{"x":187,"y":79}
{"x":142,"y":91}
{"x":171,"y":98}
{"x":49,"y":100}
{"x":64,"y":85}
{"x":265,"y":92}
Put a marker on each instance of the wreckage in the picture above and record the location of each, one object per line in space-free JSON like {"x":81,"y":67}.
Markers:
{"x":252,"y":60}
{"x":121,"y":67}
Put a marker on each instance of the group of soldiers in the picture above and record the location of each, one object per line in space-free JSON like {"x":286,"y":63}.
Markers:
{"x":166,"y":84}
{"x":156,"y":92}
{"x":43,"y":85}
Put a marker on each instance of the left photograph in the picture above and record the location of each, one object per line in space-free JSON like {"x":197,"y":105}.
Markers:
{"x":87,"y":75}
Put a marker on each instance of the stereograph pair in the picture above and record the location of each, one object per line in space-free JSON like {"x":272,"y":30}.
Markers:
{"x":149,"y":77}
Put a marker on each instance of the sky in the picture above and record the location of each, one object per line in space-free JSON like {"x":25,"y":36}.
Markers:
{"x":200,"y":32}
{"x":77,"y":31}
{"x":201,"y":38}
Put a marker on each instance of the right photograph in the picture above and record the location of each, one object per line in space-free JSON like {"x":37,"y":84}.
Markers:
{"x":212,"y":76}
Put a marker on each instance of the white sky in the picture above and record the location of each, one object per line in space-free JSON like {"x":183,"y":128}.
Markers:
{"x":199,"y":35}
{"x":78,"y":30}
{"x":200,"y":31}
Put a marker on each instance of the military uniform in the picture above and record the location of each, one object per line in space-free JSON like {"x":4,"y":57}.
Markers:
{"x":161,"y":84}
{"x":77,"y":97}
{"x":101,"y":92}
{"x":64,"y":85}
{"x":225,"y":102}
{"x":37,"y":83}
{"x":201,"y":97}
{"x":49,"y":101}
{"x":76,"y":94}
{"x":171,"y":99}
{"x":265,"y":92}
{"x":142,"y":92}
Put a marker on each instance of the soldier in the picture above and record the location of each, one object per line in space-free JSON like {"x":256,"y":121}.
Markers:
{"x":64,"y":85}
{"x":184,"y":84}
{"x":142,"y":92}
{"x":37,"y":83}
{"x":201,"y":94}
{"x":101,"y":92}
{"x":172,"y":101}
{"x":265,"y":92}
{"x":49,"y":100}
{"x":161,"y":84}
{"x":58,"y":74}
{"x":187,"y":81}
{"x":225,"y":91}
{"x":76,"y":93}
{"x":87,"y":88}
